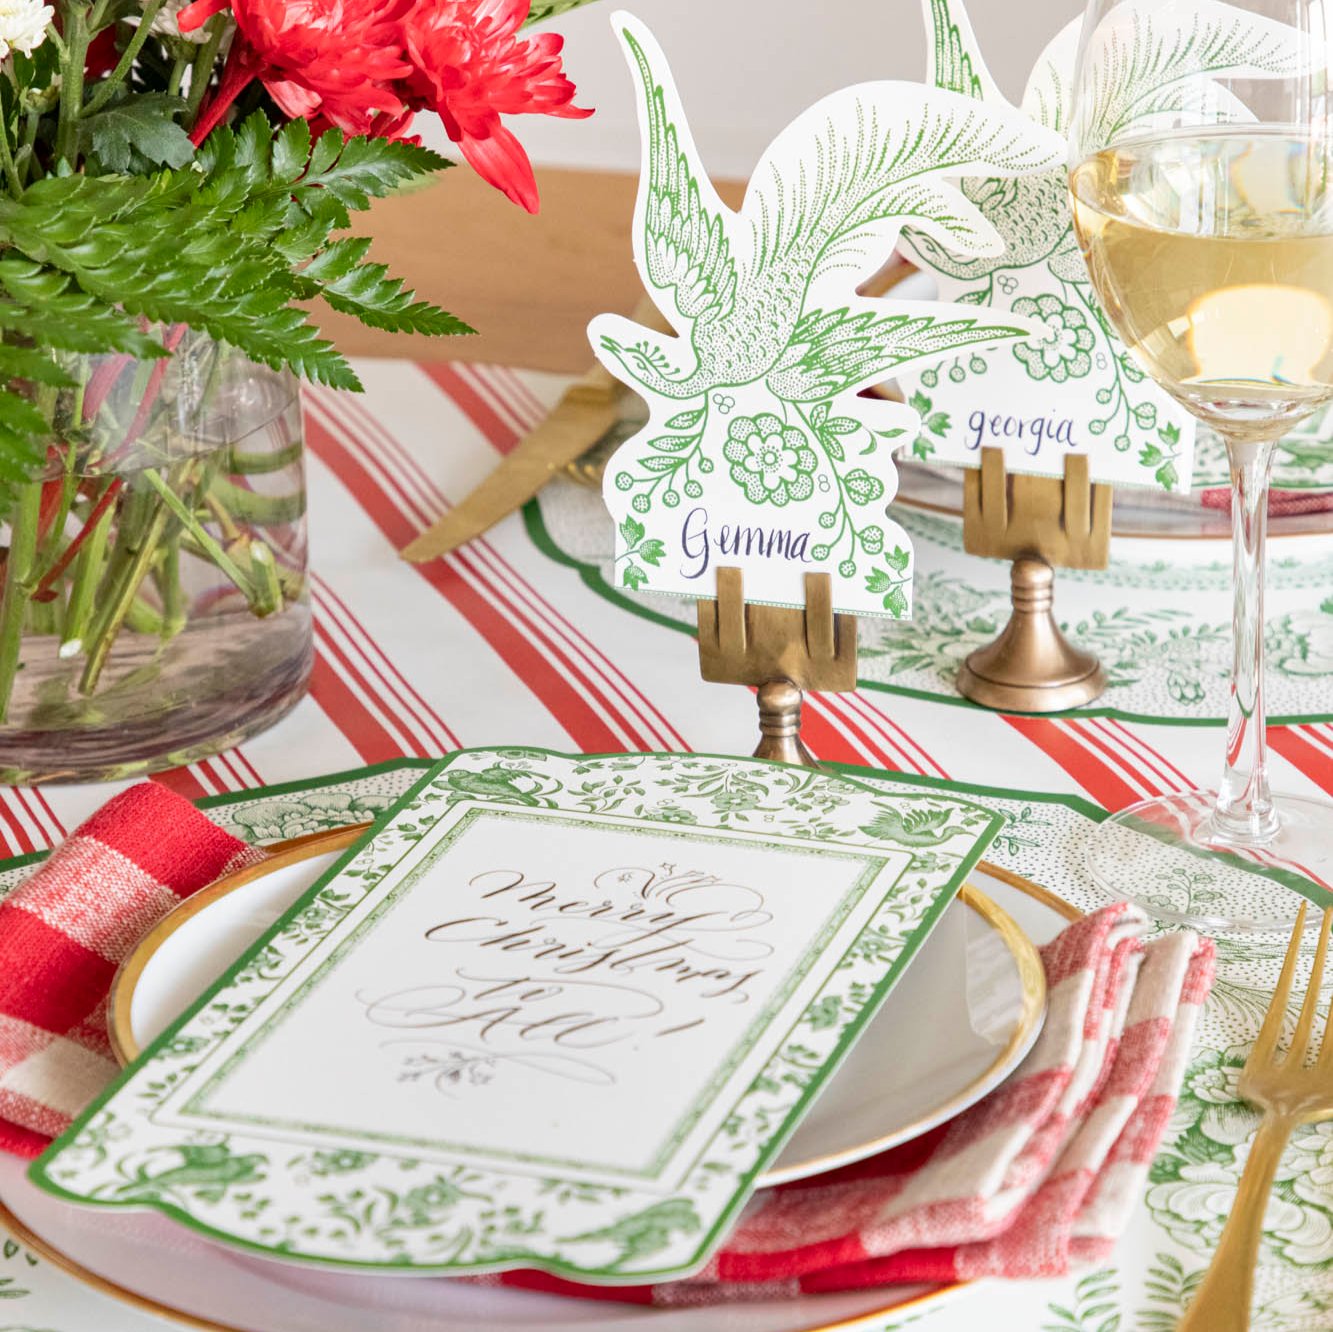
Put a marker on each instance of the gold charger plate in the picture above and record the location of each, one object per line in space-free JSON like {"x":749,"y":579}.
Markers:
{"x":292,"y":852}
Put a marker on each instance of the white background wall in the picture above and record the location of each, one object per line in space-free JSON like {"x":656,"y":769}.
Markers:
{"x":747,"y":67}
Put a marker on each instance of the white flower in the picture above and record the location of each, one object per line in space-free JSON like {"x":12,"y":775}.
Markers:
{"x":22,"y":25}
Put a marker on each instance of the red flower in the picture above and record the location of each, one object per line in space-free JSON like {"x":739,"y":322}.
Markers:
{"x":367,"y":65}
{"x":472,"y":68}
{"x":335,"y":62}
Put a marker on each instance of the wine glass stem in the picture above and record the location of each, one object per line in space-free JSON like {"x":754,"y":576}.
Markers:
{"x":1244,"y":814}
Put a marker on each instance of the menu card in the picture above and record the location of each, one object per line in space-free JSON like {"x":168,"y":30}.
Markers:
{"x":554,"y":1012}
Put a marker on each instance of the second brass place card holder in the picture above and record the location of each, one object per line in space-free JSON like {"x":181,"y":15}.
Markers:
{"x":1038,"y":522}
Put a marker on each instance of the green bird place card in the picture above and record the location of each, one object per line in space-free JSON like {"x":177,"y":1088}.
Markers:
{"x":557,"y":1012}
{"x":758,"y":452}
{"x":1075,"y":387}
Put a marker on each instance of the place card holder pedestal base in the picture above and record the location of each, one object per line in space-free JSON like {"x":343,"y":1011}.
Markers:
{"x":1038,"y":522}
{"x":779,"y":650}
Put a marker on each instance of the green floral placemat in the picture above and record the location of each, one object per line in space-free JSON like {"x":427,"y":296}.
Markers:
{"x":1303,"y":459}
{"x":1159,"y":617}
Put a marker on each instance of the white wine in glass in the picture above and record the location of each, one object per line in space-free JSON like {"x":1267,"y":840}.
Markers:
{"x":1200,"y":185}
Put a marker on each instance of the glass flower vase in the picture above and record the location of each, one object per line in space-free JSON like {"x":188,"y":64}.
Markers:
{"x":154,"y":605}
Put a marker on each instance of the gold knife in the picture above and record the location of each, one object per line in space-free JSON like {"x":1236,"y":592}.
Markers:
{"x":589,"y":409}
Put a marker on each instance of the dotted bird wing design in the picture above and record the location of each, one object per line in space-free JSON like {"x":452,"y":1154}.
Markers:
{"x":873,"y":159}
{"x":681,"y":236}
{"x":954,"y":60}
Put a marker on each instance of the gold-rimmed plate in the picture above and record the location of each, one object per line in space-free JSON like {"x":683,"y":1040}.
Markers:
{"x":958,"y":1022}
{"x":147,"y":1263}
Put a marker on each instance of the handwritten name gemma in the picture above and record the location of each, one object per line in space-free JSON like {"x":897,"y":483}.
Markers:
{"x":732,"y":539}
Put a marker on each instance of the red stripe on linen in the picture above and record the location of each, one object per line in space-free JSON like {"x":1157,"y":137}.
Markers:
{"x":532,"y":406}
{"x":52,"y":818}
{"x":1097,"y":778}
{"x":357,"y":725}
{"x":543,"y":666}
{"x":249,"y":771}
{"x":361,"y":683}
{"x":894,"y":732}
{"x":1319,"y":734}
{"x":182,"y":781}
{"x":620,"y":698}
{"x":79,"y":978}
{"x":48,"y":831}
{"x":242,"y":774}
{"x":500,"y":399}
{"x":1164,"y":768}
{"x":209,"y":781}
{"x":221,"y":773}
{"x":833,"y":736}
{"x":16,"y":840}
{"x":398,"y":693}
{"x":23,"y":818}
{"x":1312,"y":760}
{"x":498,"y":431}
{"x":1087,"y":734}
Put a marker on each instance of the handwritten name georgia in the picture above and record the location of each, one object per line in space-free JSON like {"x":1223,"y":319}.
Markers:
{"x":1032,"y":431}
{"x":682,"y":946}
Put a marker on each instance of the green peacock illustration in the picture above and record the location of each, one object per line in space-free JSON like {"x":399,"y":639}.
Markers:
{"x":752,"y":397}
{"x":1031,"y":213}
{"x":743,"y":289}
{"x":1143,"y":65}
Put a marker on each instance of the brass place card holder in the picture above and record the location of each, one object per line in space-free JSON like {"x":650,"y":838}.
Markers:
{"x":1038,"y":522}
{"x":781,"y":650}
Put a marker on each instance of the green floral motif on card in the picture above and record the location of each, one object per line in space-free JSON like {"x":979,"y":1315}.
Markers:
{"x":754,"y":395}
{"x":1065,"y":352}
{"x":644,"y":1233}
{"x":203,"y":1170}
{"x":773,"y":463}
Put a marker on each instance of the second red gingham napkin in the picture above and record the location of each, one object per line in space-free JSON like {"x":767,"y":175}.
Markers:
{"x":1038,"y":1177}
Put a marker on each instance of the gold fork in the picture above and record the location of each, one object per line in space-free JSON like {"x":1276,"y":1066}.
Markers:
{"x":1290,"y":1094}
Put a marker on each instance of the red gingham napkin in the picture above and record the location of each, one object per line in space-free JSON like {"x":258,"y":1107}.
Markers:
{"x":1281,"y":503}
{"x":64,"y":932}
{"x":1037,"y":1178}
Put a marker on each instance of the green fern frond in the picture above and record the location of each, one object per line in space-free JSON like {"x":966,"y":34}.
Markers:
{"x":366,"y":291}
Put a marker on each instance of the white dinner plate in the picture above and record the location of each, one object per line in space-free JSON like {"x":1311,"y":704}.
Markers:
{"x":966,"y":1011}
{"x":165,"y":1270}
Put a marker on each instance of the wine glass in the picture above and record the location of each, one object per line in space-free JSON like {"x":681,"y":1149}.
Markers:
{"x":1201,"y":149}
